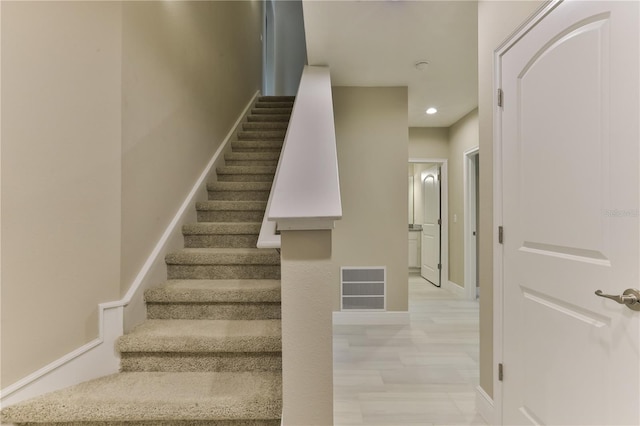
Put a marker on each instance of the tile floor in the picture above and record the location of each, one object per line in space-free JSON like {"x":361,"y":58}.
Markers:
{"x":424,"y":373}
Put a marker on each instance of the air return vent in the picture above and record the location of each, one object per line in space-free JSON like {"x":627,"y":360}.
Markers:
{"x":363,"y":289}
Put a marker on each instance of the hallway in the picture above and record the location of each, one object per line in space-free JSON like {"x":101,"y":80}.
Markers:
{"x":423,"y":373}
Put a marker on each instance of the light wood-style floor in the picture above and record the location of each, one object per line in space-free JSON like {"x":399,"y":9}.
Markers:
{"x":424,"y":373}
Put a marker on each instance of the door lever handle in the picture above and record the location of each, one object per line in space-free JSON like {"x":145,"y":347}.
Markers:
{"x":630,"y":298}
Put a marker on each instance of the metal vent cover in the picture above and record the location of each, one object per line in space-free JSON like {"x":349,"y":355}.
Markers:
{"x":363,"y":288}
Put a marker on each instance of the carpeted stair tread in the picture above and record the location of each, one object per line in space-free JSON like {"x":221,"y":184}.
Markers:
{"x":223,"y":256}
{"x":155,"y":397}
{"x":231,"y":205}
{"x":222,"y":228}
{"x":200,"y":335}
{"x":215,"y":291}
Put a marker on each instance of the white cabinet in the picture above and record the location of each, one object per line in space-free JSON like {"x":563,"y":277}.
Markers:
{"x":414,"y":249}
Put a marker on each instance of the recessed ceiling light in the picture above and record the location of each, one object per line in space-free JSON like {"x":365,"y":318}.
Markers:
{"x":421,"y":65}
{"x":431,"y":111}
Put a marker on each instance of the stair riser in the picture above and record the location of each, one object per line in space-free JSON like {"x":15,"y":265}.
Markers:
{"x":165,"y":423}
{"x":265,"y":126}
{"x":274,"y":104}
{"x":246,"y":178}
{"x":272,"y":111}
{"x":223,"y":272}
{"x":229,"y":216}
{"x":257,"y":146}
{"x":261,"y":135}
{"x":238,"y":195}
{"x":211,"y":241}
{"x":255,"y":163}
{"x":214,"y":311}
{"x":276,"y":98}
{"x":187,"y":362}
{"x":279,"y":118}
{"x":256,"y":149}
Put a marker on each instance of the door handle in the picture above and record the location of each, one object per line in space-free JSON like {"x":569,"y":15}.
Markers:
{"x":630,"y":298}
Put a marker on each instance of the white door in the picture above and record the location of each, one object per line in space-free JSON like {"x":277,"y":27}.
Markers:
{"x":430,"y":268}
{"x":570,"y":198}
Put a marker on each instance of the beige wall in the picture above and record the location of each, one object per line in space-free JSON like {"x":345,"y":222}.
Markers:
{"x":110,"y":112}
{"x":188,"y":70}
{"x":496,"y":21}
{"x":60,"y":177}
{"x":372,"y":142}
{"x":448,"y":143}
{"x":462,"y":136}
{"x":428,"y":142}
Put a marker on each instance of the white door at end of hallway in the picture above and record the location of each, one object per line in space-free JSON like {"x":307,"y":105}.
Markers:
{"x":430,"y":265}
{"x":570,"y":190}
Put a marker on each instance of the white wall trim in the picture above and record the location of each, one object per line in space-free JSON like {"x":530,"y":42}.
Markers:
{"x":371,"y":318}
{"x":484,"y":406}
{"x":96,"y":358}
{"x":454,"y":288}
{"x":99,"y":357}
{"x":470,"y":264}
{"x":444,"y":205}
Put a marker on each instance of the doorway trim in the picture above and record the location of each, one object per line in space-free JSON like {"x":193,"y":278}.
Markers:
{"x":470,"y":215}
{"x":498,"y":252}
{"x":444,"y":210}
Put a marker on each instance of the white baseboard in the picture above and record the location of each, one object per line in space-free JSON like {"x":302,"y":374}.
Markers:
{"x":99,"y":357}
{"x":484,"y":406}
{"x":371,"y":318}
{"x":454,"y":288}
{"x":95,"y":359}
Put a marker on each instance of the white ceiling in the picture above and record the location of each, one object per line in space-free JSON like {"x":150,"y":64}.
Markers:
{"x":376,"y":43}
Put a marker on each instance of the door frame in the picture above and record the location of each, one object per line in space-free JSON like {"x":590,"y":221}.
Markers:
{"x":444,"y":215}
{"x":498,"y":252}
{"x":470,"y":215}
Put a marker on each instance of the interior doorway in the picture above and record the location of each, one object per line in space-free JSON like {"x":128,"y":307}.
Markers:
{"x":428,"y":224}
{"x":471,"y":169}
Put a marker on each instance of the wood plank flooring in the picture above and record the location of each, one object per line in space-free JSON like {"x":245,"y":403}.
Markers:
{"x":424,"y":373}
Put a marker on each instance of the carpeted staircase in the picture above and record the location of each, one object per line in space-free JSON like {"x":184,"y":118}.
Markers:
{"x":209,"y":352}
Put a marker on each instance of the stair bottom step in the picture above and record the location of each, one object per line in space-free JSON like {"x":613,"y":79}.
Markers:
{"x":154,"y":398}
{"x":199,"y":362}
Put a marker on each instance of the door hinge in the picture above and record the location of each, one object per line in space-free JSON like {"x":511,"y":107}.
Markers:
{"x":439,"y":266}
{"x":500,"y":97}
{"x":500,"y":372}
{"x":500,"y":235}
{"x":439,"y":222}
